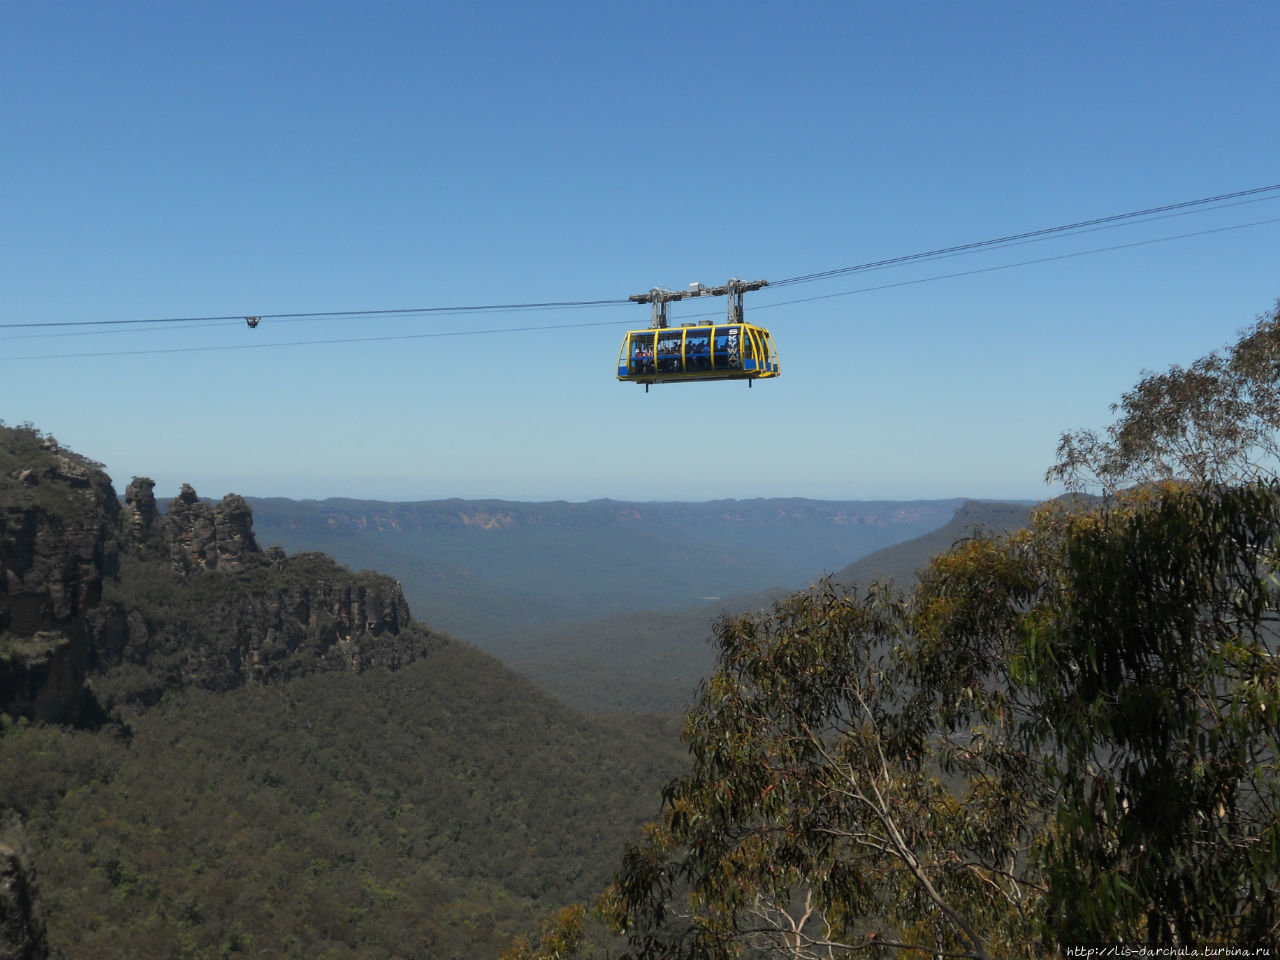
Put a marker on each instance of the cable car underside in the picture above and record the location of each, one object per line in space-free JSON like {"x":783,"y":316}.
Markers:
{"x":732,"y":350}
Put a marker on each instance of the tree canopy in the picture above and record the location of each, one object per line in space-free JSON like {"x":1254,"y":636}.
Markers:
{"x":1217,"y":420}
{"x":1063,"y":735}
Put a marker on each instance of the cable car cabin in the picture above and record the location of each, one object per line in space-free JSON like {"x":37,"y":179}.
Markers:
{"x":724,"y":351}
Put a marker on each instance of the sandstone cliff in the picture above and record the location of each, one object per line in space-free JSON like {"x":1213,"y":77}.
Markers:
{"x":22,"y":925}
{"x":104,"y":606}
{"x":204,"y":537}
{"x":58,"y":522}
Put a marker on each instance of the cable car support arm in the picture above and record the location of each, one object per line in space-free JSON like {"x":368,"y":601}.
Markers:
{"x":734,"y":290}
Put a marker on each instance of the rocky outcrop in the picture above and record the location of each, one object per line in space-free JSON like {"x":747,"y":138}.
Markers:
{"x":57,"y":541}
{"x":22,"y":926}
{"x":42,"y":677}
{"x":201,"y":536}
{"x":141,"y":515}
{"x":275,"y":618}
{"x":138,"y":603}
{"x":58,"y":547}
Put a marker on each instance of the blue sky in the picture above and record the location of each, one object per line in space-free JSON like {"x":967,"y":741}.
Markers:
{"x":207,"y":160}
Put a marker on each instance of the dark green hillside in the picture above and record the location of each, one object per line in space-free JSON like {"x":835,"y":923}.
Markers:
{"x":636,"y":662}
{"x":211,"y":750}
{"x":484,"y":570}
{"x":429,"y":812}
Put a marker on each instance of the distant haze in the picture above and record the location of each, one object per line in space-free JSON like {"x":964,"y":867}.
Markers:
{"x":481,"y":569}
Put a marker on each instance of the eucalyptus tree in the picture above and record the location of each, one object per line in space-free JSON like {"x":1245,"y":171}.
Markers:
{"x":822,"y":817}
{"x":1217,"y":420}
{"x":1066,"y":733}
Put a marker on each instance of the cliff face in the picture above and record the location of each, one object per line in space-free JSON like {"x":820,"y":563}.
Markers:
{"x":58,"y":523}
{"x":136,"y":602}
{"x":141,"y":518}
{"x":58,"y":514}
{"x":22,"y":926}
{"x":273,"y":618}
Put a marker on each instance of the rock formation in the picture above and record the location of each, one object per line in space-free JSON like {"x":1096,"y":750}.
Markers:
{"x":197,"y":602}
{"x":58,"y":516}
{"x":204,"y":537}
{"x":58,"y":522}
{"x":22,"y":926}
{"x":141,"y":516}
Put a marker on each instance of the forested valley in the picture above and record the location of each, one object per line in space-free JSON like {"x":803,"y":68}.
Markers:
{"x":208,"y":749}
{"x":1022,"y":731}
{"x":606,"y":604}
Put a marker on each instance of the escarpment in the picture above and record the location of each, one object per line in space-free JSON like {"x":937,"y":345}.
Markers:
{"x":103,"y":606}
{"x":23,"y":934}
{"x":58,"y":545}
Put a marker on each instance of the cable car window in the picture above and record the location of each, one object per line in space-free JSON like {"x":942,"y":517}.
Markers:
{"x":641,"y":353}
{"x":669,"y":357}
{"x":697,"y":350}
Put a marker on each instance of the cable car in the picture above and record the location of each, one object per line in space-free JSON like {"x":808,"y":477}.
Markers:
{"x":725,"y":351}
{"x":729,"y":350}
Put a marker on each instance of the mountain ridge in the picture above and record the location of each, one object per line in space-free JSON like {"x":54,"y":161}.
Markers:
{"x":483,"y":569}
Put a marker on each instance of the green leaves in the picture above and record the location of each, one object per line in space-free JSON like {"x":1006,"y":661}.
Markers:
{"x":1167,"y":762}
{"x":430,"y":811}
{"x":1216,"y":421}
{"x":1064,"y":734}
{"x":812,"y":819}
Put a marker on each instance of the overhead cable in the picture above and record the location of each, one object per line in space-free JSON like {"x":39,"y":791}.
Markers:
{"x":1019,"y":263}
{"x":616,"y":323}
{"x":334,"y":314}
{"x":1078,"y":226}
{"x":1151,"y":213}
{"x":1046,"y":231}
{"x":306,"y":343}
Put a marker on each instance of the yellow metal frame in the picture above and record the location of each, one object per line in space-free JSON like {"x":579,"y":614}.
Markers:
{"x":765,"y":354}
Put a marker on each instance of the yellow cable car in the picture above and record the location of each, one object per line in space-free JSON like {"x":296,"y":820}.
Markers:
{"x":725,"y":351}
{"x":731,"y":350}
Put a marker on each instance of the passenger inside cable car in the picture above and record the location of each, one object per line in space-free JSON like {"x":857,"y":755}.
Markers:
{"x":697,"y":350}
{"x":641,"y":354}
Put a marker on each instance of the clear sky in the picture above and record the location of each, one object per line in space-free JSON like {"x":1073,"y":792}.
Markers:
{"x":192,"y":159}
